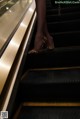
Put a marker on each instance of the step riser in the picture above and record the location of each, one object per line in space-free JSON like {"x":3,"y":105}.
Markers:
{"x":50,"y":93}
{"x":56,"y":58}
{"x":65,"y":17}
{"x":64,"y":26}
{"x":65,"y":39}
{"x":63,"y":10}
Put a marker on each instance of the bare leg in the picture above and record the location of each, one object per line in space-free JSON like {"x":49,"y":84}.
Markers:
{"x":49,"y":41}
{"x":41,"y":15}
{"x":42,"y":29}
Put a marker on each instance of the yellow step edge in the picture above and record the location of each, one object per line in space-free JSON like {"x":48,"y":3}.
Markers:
{"x":55,"y":104}
{"x":45,"y":104}
{"x":59,"y":68}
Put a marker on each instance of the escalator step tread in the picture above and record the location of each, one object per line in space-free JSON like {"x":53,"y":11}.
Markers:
{"x":63,"y":10}
{"x":64,"y":39}
{"x":61,"y":26}
{"x":61,"y":17}
{"x":50,"y":86}
{"x":52,"y":76}
{"x":49,"y":113}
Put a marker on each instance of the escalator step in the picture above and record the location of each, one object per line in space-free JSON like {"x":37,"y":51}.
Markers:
{"x":63,"y":26}
{"x":62,"y":17}
{"x":50,"y":85}
{"x":63,"y":39}
{"x":58,"y":57}
{"x":52,"y":76}
{"x":63,"y":10}
{"x":49,"y":113}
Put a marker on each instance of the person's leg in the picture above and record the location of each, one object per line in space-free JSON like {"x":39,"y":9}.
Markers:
{"x":42,"y":27}
{"x":41,"y":16}
{"x":49,"y":40}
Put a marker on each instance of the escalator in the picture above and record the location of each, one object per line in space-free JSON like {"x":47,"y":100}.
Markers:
{"x":50,"y":80}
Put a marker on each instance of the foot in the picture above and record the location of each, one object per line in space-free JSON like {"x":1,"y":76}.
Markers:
{"x":49,"y":42}
{"x":38,"y":44}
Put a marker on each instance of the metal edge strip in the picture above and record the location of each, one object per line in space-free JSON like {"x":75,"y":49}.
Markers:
{"x":56,"y":104}
{"x":46,"y":104}
{"x":58,"y":68}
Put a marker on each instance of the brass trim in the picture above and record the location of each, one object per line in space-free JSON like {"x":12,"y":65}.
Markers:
{"x":59,"y":68}
{"x":56,"y":104}
{"x":45,"y":104}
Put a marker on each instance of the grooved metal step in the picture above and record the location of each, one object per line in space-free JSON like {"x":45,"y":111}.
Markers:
{"x":66,"y":39}
{"x":71,"y":25}
{"x":63,"y":17}
{"x":63,"y":10}
{"x":48,"y":113}
{"x":50,"y":85}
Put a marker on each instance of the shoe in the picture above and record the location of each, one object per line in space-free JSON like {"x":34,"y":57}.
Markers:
{"x":41,"y":49}
{"x":48,"y":44}
{"x":45,"y":46}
